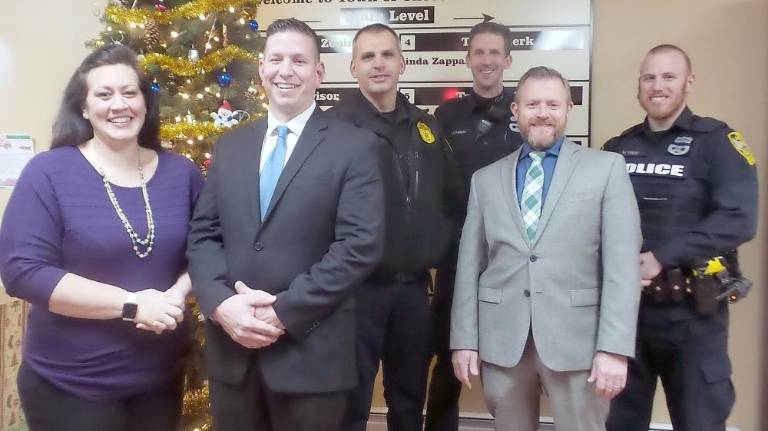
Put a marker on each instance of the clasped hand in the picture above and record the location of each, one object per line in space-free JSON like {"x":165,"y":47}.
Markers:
{"x":249,"y":318}
{"x":159,"y":311}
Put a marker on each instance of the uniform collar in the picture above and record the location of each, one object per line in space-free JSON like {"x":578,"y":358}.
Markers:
{"x":684,"y":121}
{"x":476,"y":101}
{"x":401,"y":107}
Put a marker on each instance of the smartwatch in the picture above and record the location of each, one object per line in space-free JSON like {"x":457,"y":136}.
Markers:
{"x":130,"y":306}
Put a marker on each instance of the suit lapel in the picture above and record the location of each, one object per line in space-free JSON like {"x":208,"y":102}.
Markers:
{"x":253,"y":160}
{"x":310,"y":138}
{"x":566,"y":162}
{"x":509,"y":187}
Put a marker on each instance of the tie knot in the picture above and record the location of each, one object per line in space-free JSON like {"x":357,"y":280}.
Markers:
{"x":282,"y":131}
{"x":537,"y":156}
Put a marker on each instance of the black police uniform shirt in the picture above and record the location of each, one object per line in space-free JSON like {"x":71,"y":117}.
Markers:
{"x":479,"y":131}
{"x":412,"y":164}
{"x":696,"y":187}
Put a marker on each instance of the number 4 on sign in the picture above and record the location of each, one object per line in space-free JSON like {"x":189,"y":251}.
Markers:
{"x":408,"y":42}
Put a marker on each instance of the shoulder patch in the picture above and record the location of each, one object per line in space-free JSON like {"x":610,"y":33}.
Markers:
{"x":425,"y":132}
{"x":737,"y":140}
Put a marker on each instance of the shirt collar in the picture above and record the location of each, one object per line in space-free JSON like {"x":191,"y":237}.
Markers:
{"x":402,"y":110}
{"x":295,"y":124}
{"x":553,"y":150}
{"x":683,"y":121}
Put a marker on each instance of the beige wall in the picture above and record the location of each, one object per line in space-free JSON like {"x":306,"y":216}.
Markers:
{"x":41,"y":44}
{"x":725,"y":38}
{"x":727,"y":41}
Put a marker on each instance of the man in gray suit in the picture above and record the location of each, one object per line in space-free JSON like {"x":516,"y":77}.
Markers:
{"x":547,"y":284}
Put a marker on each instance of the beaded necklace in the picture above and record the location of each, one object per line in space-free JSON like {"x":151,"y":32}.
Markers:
{"x":141,"y":246}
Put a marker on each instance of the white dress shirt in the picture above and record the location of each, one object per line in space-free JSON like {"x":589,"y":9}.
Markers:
{"x":295,"y":127}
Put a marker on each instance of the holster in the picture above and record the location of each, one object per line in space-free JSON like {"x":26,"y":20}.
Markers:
{"x":706,"y":289}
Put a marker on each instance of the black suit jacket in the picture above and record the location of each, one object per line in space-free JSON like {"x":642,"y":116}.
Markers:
{"x":321,"y":236}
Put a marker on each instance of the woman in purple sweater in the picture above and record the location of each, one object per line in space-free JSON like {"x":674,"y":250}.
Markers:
{"x":94,"y":237}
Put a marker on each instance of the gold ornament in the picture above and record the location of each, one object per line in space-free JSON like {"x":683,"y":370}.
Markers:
{"x":173,"y":131}
{"x":120,"y":15}
{"x":213,"y":61}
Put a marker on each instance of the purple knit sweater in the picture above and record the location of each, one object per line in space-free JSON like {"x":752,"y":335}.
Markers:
{"x":59,"y":220}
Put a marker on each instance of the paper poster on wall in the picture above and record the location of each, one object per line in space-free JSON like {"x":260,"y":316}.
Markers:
{"x":434,"y":38}
{"x":15,"y":152}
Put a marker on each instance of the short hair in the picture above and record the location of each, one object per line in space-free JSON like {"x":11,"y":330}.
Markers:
{"x":282,"y":25}
{"x":666,"y":47}
{"x":541,"y":72}
{"x":71,"y":129}
{"x":375,"y":28}
{"x":489,"y":27}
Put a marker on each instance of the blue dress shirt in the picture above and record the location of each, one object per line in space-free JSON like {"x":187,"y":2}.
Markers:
{"x":549,"y":162}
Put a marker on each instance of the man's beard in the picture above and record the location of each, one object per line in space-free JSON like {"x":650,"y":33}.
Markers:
{"x":544,"y":142}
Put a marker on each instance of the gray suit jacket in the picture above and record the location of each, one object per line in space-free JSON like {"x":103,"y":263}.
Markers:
{"x":576,"y":286}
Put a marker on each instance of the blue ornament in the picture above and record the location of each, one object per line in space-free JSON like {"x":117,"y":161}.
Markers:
{"x":253,"y":24}
{"x":155,"y":87}
{"x":224,"y":79}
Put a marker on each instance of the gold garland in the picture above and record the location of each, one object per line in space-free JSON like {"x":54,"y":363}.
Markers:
{"x":183,"y":67}
{"x":123,"y":16}
{"x":189,"y":130}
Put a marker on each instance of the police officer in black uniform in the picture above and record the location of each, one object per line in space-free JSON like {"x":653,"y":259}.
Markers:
{"x":480,"y":129}
{"x":696,"y":186}
{"x":393,"y":313}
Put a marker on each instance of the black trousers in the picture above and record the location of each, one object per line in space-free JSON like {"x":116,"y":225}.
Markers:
{"x":393,"y":326}
{"x":690,"y":356}
{"x":444,"y":388}
{"x":48,"y":408}
{"x":251,"y":406}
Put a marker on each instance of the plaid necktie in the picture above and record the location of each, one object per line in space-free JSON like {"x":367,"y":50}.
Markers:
{"x":272,"y":168}
{"x":532,"y":193}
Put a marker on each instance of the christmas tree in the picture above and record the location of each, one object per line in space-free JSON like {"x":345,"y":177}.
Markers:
{"x":202,"y":56}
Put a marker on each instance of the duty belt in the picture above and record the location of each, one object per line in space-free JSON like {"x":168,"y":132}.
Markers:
{"x":674,"y":285}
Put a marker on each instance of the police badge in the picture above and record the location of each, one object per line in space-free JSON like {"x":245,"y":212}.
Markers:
{"x":681,"y":146}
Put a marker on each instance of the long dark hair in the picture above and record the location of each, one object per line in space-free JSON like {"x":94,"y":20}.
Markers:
{"x":72,"y":129}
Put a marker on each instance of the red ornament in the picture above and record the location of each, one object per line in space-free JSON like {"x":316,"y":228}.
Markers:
{"x":225,"y":105}
{"x":207,"y":163}
{"x":160,"y":7}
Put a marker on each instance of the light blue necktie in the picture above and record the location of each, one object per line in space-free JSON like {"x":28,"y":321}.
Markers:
{"x":271,"y":172}
{"x":532,"y":193}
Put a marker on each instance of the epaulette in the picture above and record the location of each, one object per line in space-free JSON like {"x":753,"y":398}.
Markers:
{"x":637,"y":128}
{"x":706,"y":124}
{"x":450,"y":106}
{"x":607,"y":146}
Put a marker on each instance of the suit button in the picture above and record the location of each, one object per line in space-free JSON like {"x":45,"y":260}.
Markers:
{"x":526,"y":293}
{"x":258,"y":246}
{"x":533,"y":258}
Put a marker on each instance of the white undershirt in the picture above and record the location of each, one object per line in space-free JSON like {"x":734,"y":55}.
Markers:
{"x":295,"y":127}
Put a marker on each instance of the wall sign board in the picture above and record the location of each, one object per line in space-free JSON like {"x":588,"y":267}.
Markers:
{"x":434,"y":38}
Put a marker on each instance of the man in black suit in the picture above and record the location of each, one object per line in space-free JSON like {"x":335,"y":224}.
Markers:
{"x":290,"y":221}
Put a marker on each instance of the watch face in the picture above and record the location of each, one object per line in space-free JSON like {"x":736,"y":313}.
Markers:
{"x":129,"y":310}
